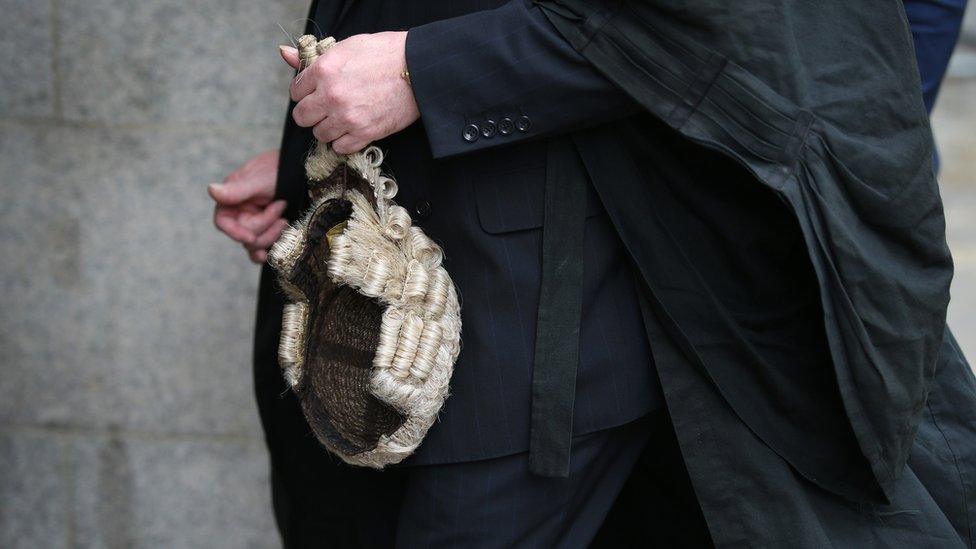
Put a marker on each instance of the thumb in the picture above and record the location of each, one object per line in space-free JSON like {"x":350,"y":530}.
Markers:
{"x":290,"y":55}
{"x":233,"y":192}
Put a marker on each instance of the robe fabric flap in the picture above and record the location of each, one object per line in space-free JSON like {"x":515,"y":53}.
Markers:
{"x":833,"y":124}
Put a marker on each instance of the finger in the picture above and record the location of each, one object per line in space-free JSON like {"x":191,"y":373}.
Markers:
{"x":327,"y":130}
{"x":290,"y":55}
{"x":348,"y":144}
{"x":309,"y":112}
{"x":304,"y":83}
{"x":259,"y":221}
{"x":236,"y":191}
{"x":226,"y":220}
{"x":258,"y":256}
{"x":269,"y":236}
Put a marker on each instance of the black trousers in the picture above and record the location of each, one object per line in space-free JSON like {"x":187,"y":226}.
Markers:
{"x":657,"y":506}
{"x":628,"y":488}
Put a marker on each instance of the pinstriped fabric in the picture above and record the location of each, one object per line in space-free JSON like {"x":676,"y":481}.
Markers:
{"x":445,"y":506}
{"x":513,"y":63}
{"x":486,"y":212}
{"x":627,"y":487}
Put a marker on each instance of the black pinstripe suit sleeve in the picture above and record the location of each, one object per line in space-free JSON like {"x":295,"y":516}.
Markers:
{"x":506,"y":62}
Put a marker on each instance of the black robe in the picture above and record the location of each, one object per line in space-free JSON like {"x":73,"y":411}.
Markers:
{"x":792,"y":246}
{"x":813,"y":372}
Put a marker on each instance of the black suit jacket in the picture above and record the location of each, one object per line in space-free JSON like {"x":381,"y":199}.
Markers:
{"x":481,"y":198}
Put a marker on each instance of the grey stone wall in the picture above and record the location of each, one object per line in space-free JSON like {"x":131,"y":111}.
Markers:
{"x":969,"y":26}
{"x":126,"y":408}
{"x":953,"y":121}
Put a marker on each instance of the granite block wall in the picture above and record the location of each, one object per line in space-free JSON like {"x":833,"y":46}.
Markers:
{"x":127,"y":416}
{"x":126,"y":410}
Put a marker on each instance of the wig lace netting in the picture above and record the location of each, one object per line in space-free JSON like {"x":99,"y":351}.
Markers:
{"x":372,"y":326}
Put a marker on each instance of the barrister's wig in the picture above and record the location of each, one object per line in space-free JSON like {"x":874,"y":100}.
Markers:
{"x":372,"y":328}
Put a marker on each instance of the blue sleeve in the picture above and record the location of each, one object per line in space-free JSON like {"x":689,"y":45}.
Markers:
{"x":495,"y":77}
{"x":935,"y":26}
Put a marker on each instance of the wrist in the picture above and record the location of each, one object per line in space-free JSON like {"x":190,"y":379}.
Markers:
{"x":405,"y":77}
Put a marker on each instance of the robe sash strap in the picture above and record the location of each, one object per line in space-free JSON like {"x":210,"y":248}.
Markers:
{"x":560,"y":306}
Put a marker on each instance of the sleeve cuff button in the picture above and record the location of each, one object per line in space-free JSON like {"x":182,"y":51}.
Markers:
{"x":471,"y":133}
{"x":488,"y":129}
{"x":505,"y":126}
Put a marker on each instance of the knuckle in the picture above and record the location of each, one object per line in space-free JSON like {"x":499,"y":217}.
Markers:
{"x":322,"y":68}
{"x":317,"y":74}
{"x":348,"y":119}
{"x":332,"y":94}
{"x":362,"y":125}
{"x":369,"y":133}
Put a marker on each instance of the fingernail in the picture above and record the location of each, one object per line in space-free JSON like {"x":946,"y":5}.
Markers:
{"x":288,"y":49}
{"x":215,"y":185}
